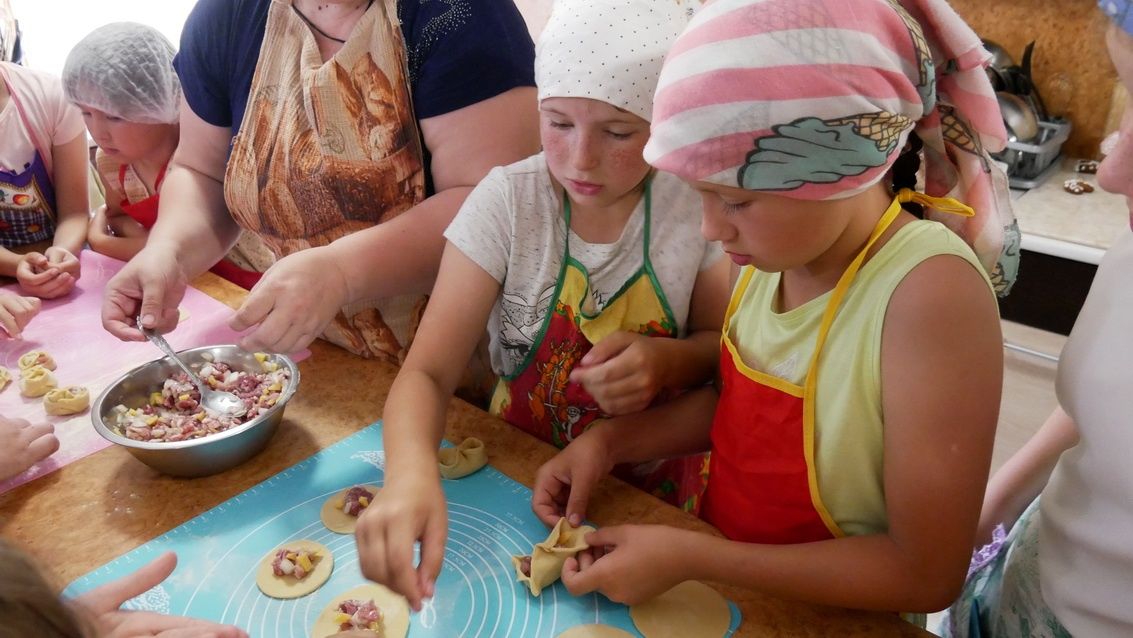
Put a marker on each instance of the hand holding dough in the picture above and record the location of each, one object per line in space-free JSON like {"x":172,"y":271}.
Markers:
{"x":36,"y":381}
{"x":36,"y":358}
{"x":63,"y":401}
{"x":462,"y":460}
{"x":545,"y":564}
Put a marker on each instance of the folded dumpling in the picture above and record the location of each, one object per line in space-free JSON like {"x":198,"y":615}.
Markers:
{"x":462,"y":460}
{"x":63,"y":401}
{"x":5,"y":377}
{"x":36,"y":358}
{"x":36,"y":381}
{"x":545,"y":564}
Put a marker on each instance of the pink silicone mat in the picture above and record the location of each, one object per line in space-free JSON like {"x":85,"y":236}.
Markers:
{"x":70,"y":329}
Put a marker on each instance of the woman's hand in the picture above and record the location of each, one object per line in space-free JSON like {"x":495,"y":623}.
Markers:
{"x":16,"y":312}
{"x":151,"y":285}
{"x":41,"y":278}
{"x":22,"y":445}
{"x":623,"y":372}
{"x":402,"y":513}
{"x":563,"y":484}
{"x":293,"y":302}
{"x":103,"y":603}
{"x":630,"y":564}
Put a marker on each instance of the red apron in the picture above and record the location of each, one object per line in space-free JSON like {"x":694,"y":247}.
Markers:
{"x":144,"y":211}
{"x":762,"y":484}
{"x":539,"y":397}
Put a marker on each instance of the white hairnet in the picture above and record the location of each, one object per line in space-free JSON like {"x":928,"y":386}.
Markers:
{"x":124,"y":69}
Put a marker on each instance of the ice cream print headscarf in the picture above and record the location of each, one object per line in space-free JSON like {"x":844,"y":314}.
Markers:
{"x":1121,"y":11}
{"x":608,"y":50}
{"x":815,"y":99}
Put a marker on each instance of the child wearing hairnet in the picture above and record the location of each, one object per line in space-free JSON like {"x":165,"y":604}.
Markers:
{"x":121,"y":78}
{"x":43,"y":183}
{"x":599,"y":295}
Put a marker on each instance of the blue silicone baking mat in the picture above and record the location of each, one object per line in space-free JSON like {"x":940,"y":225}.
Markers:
{"x":476,"y":594}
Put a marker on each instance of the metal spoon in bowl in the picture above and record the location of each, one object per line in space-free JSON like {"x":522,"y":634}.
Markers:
{"x":214,"y":401}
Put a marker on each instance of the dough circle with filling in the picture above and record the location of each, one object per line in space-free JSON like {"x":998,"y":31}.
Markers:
{"x":395,"y":611}
{"x":289,"y":586}
{"x":689,"y":610}
{"x":337,"y":520}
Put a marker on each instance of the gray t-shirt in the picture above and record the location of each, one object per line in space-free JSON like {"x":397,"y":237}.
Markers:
{"x":512,"y":226}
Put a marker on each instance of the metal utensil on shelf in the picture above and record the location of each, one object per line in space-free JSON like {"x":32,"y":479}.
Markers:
{"x":1018,"y":116}
{"x":215,"y":401}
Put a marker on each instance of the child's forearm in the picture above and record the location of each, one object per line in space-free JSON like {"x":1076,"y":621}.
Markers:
{"x":8,"y":262}
{"x":71,"y":233}
{"x":858,"y":572}
{"x":677,"y":427}
{"x":413,"y":424}
{"x":123,"y":248}
{"x":691,"y":361}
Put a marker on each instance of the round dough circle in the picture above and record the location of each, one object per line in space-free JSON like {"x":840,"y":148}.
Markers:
{"x":289,"y":586}
{"x":595,"y":631}
{"x":689,"y":610}
{"x":395,"y":611}
{"x":337,"y":520}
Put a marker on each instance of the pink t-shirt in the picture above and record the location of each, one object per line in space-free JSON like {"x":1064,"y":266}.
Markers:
{"x":52,"y":120}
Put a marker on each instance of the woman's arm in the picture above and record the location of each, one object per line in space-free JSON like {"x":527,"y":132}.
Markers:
{"x":1025,"y":474}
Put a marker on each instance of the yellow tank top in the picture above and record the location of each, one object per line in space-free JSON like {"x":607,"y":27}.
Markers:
{"x":848,"y":415}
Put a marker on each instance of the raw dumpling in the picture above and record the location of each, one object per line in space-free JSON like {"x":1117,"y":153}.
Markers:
{"x":5,"y":377}
{"x":36,"y":358}
{"x":36,"y":381}
{"x":62,"y":401}
{"x":295,"y":569}
{"x":545,"y":564}
{"x":462,"y":460}
{"x":340,"y":512}
{"x":364,"y":602}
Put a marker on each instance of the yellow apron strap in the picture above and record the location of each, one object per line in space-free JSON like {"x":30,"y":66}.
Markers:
{"x":942,"y":204}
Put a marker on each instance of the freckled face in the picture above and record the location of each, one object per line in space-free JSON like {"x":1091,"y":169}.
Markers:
{"x":593,"y":149}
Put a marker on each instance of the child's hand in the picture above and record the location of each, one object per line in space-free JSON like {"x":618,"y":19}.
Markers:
{"x":22,"y":445}
{"x":630,"y":564}
{"x":103,"y":604}
{"x":293,"y":303}
{"x":64,"y":260}
{"x":402,"y":513}
{"x":38,"y":277}
{"x":563,"y":484}
{"x":16,"y":312}
{"x":623,"y":372}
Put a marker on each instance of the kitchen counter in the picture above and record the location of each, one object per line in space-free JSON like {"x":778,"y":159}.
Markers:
{"x":1078,"y":227}
{"x":91,"y":511}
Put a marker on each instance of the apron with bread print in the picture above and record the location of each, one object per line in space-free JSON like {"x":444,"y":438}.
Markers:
{"x":329,"y":149}
{"x":539,"y":396}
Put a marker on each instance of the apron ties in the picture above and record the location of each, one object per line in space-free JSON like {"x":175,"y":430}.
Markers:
{"x":763,"y":485}
{"x":539,"y":397}
{"x":327,"y":149}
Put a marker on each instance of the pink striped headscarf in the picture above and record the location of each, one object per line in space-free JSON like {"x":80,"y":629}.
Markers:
{"x":815,"y":99}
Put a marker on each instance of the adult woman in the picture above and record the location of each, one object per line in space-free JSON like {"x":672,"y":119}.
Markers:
{"x":326,"y":147}
{"x":1064,"y":569}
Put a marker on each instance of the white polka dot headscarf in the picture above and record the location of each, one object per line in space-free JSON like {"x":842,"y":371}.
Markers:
{"x":608,"y":50}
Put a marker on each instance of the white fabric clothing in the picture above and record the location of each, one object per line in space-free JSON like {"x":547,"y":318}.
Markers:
{"x":607,"y":50}
{"x":125,"y":69}
{"x":1086,"y":552}
{"x":512,"y":226}
{"x":53,"y":120}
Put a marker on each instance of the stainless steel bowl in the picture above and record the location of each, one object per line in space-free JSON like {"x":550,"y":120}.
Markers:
{"x":196,"y":457}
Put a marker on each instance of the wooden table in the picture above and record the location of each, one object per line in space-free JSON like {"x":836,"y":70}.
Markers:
{"x":91,"y":511}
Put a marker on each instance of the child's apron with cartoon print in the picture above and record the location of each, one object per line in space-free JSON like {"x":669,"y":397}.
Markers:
{"x":539,"y":397}
{"x":27,"y":197}
{"x":327,"y":149}
{"x":762,"y":483}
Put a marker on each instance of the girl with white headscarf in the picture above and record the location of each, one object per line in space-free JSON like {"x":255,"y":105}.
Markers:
{"x":861,"y":357}
{"x":599,"y":294}
{"x":122,"y":79}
